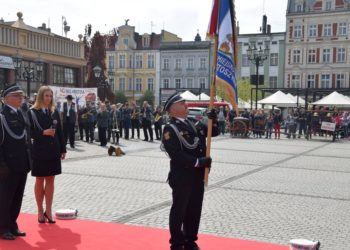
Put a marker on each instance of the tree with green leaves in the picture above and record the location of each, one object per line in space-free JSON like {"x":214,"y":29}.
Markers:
{"x":147,"y":96}
{"x":244,"y":90}
{"x":120,"y":97}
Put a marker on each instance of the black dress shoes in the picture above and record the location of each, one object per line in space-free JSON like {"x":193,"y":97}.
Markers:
{"x":177,"y":248}
{"x":192,"y":247}
{"x":8,"y":236}
{"x":17,"y":232}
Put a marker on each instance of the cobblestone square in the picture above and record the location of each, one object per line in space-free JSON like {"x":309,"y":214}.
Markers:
{"x":259,"y":189}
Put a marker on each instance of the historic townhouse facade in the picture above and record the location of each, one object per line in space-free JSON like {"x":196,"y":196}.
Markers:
{"x":62,"y":60}
{"x":133,"y":65}
{"x":273,"y":67}
{"x":184,"y":65}
{"x":318,"y":44}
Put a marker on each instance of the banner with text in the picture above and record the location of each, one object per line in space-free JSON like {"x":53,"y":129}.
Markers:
{"x":80,"y":95}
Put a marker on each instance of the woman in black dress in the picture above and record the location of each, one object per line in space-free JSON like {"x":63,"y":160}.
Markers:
{"x":48,"y":150}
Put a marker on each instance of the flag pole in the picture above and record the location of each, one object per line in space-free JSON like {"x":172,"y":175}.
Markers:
{"x":211,"y":105}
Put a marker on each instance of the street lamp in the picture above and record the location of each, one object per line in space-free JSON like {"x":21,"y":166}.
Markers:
{"x":257,"y":56}
{"x":307,"y":95}
{"x":101,"y":82}
{"x":28,"y":74}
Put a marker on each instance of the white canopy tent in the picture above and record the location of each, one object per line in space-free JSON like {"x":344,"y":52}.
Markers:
{"x":279,"y":99}
{"x":203,"y":97}
{"x":243,"y":104}
{"x":347,"y":97}
{"x":334,"y":99}
{"x":295,"y":98}
{"x":189,"y":96}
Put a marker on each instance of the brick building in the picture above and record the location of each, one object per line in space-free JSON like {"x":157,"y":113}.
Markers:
{"x":317,"y":44}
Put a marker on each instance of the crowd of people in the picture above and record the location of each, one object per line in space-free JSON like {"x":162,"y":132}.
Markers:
{"x":297,"y":123}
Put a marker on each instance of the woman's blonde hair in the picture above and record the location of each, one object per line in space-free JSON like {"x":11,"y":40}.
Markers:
{"x":39,"y":102}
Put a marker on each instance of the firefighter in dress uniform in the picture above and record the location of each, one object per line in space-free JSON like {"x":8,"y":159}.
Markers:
{"x":185,"y":143}
{"x":15,"y":161}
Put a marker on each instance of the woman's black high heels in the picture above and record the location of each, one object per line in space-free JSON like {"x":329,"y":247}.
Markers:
{"x":41,"y":220}
{"x":48,"y":219}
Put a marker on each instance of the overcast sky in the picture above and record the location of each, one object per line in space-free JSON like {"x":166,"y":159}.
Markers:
{"x":182,"y":17}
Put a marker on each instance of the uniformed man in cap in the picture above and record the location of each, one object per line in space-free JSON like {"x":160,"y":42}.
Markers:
{"x":14,"y":161}
{"x":69,"y":118}
{"x":185,"y":143}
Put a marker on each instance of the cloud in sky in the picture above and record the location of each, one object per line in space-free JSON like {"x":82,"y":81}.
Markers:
{"x":182,"y":17}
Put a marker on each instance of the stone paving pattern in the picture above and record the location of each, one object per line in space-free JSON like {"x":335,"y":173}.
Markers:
{"x":263,"y":190}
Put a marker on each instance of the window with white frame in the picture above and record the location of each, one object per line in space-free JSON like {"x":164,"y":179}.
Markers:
{"x":326,"y":55}
{"x":131,"y":84}
{"x":138,"y":84}
{"x":122,"y":61}
{"x":327,"y":29}
{"x":245,"y":61}
{"x":340,"y":55}
{"x":126,"y":41}
{"x":343,"y":29}
{"x":111,"y":83}
{"x":311,"y":57}
{"x":297,"y":31}
{"x":202,"y":63}
{"x":328,"y":5}
{"x":189,"y":83}
{"x":178,"y":63}
{"x":111,"y":62}
{"x":145,"y":41}
{"x":299,"y":8}
{"x":311,"y":81}
{"x":273,"y":81}
{"x":166,"y":63}
{"x":150,"y":61}
{"x":312,"y":30}
{"x":340,"y":80}
{"x":273,"y":59}
{"x":178,"y":83}
{"x":166,"y":83}
{"x":138,"y":59}
{"x":295,"y":83}
{"x":325,"y":80}
{"x":202,"y":83}
{"x":122,"y":84}
{"x":150,"y":84}
{"x":296,"y":56}
{"x":190,"y":63}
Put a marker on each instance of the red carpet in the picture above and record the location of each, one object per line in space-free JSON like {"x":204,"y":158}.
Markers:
{"x":92,"y":235}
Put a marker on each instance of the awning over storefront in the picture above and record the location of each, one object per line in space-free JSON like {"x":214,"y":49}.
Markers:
{"x":6,"y":62}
